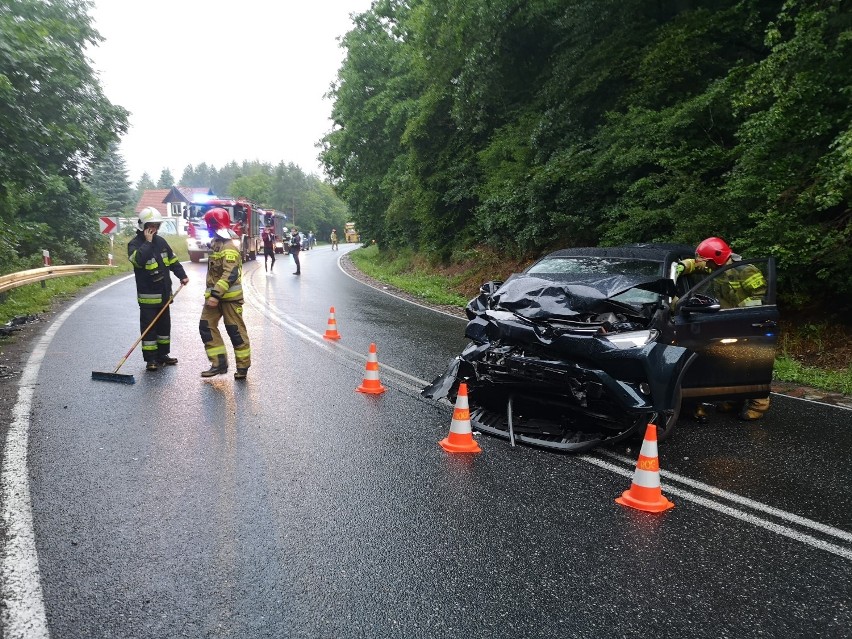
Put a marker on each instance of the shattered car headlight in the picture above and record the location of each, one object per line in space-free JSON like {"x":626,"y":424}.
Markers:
{"x":632,"y":339}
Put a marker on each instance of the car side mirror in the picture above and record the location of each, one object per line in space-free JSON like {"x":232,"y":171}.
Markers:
{"x":700,"y":304}
{"x":489,"y":288}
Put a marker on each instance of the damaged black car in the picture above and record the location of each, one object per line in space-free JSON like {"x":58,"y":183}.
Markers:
{"x":589,"y":345}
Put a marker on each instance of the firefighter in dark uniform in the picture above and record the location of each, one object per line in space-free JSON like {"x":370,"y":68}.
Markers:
{"x":736,"y":288}
{"x":223,"y":299}
{"x":153,"y":259}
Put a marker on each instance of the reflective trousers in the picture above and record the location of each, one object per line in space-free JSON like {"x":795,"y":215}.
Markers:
{"x":156,"y":343}
{"x":235,"y":327}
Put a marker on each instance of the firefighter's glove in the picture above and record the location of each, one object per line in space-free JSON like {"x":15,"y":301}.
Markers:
{"x":680,"y":268}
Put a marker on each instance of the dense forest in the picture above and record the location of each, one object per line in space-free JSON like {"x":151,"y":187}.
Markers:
{"x":536,"y":124}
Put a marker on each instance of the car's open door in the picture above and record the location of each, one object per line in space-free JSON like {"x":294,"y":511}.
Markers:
{"x":735,"y":345}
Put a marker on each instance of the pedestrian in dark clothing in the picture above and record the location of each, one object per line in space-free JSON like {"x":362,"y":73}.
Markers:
{"x":295,"y":247}
{"x":268,"y":237}
{"x":153,"y":259}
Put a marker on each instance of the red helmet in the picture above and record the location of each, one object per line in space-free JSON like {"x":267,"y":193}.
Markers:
{"x":218,"y":220}
{"x":714,"y":249}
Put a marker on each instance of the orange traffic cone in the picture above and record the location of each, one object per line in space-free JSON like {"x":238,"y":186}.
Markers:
{"x":371,"y":384}
{"x":331,"y":331}
{"x":644,"y":493}
{"x":460,"y":439}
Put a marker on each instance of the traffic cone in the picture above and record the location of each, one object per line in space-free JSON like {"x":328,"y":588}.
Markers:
{"x":644,"y":493}
{"x":460,"y":439}
{"x":371,"y":384}
{"x":331,"y":331}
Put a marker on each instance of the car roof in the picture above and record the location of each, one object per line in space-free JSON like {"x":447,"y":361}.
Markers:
{"x":652,"y":251}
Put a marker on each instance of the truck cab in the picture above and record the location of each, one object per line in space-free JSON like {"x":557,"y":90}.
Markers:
{"x":246,"y":222}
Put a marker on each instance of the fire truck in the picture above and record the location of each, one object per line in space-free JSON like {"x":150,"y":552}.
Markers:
{"x":246,"y":222}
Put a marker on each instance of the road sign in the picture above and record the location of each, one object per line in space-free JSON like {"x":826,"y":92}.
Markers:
{"x":109,"y":225}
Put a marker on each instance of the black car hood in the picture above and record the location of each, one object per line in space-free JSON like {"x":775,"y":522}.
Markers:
{"x":538,"y":298}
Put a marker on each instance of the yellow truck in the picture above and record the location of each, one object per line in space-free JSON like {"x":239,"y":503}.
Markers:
{"x":350,"y":234}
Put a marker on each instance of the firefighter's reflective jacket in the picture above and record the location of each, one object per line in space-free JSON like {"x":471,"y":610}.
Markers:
{"x":152,"y":262}
{"x":740,"y":286}
{"x":224,"y":272}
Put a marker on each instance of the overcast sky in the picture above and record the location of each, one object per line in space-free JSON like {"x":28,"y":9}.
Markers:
{"x":214,"y":82}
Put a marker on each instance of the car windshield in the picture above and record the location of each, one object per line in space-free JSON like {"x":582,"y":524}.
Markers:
{"x":589,"y":267}
{"x":608,"y":274}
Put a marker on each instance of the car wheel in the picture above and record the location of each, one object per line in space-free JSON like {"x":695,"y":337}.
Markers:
{"x":195,"y":256}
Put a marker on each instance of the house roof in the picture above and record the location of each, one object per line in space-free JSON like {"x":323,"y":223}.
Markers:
{"x":158,"y":198}
{"x":153,"y":197}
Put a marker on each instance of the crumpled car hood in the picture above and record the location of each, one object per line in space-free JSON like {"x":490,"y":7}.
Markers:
{"x":539,"y":298}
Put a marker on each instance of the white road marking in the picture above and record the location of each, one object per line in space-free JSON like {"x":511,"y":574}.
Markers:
{"x":23,"y":614}
{"x":778,"y":529}
{"x":20,"y":584}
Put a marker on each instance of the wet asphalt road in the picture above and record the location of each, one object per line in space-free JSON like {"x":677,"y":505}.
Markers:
{"x":293,"y":506}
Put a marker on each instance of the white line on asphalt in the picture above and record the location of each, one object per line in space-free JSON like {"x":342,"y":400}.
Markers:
{"x":23,"y":603}
{"x":298,"y":329}
{"x":315,"y":337}
{"x":778,"y":529}
{"x":20,"y":584}
{"x":744,"y":501}
{"x":387,"y":292}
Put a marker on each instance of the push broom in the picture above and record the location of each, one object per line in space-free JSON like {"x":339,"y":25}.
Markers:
{"x":115,"y":376}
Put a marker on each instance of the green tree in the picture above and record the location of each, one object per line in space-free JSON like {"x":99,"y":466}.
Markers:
{"x":55,"y":123}
{"x":110,"y":184}
{"x":145,"y":183}
{"x":167,"y":180}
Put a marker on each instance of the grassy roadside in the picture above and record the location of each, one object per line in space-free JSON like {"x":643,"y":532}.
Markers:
{"x":800,"y":344}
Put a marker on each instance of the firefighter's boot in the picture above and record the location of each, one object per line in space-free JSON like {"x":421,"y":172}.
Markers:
{"x":214,"y":370}
{"x":699,"y":414}
{"x":754,"y":409}
{"x":167,"y":361}
{"x":151,"y":366}
{"x":241,"y":373}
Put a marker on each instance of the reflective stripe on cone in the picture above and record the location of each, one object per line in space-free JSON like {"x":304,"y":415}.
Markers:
{"x":645,"y":492}
{"x":371,"y":384}
{"x":460,"y":439}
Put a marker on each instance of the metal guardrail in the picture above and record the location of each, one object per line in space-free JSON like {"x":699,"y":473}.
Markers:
{"x":22,"y":278}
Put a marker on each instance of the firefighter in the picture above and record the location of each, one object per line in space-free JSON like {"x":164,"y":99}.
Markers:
{"x":333,"y":238}
{"x":223,"y":299}
{"x":738,"y":287}
{"x":153,"y":262}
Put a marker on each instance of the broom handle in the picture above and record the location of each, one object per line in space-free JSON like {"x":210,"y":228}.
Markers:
{"x":153,"y":321}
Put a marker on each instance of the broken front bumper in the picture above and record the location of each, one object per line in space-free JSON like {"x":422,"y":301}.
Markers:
{"x":559,"y":390}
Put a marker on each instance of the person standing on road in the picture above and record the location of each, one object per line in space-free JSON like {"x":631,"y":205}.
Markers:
{"x":333,"y":238}
{"x":223,"y":299}
{"x":153,"y":259}
{"x":738,"y":287}
{"x":295,"y":247}
{"x":268,"y":237}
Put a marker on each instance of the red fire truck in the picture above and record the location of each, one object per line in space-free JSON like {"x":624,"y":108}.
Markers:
{"x":246,"y":222}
